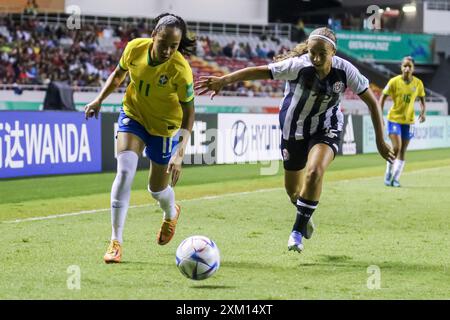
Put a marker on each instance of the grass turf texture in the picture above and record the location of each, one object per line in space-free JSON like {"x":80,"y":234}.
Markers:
{"x":360,"y":223}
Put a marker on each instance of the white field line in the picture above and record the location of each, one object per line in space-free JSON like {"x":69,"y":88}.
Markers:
{"x":79,"y":213}
{"x":62,"y":215}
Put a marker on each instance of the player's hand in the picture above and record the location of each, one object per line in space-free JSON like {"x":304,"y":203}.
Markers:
{"x":210,"y":83}
{"x":92,"y":109}
{"x":422,"y":118}
{"x":174,"y":167}
{"x":385,"y":151}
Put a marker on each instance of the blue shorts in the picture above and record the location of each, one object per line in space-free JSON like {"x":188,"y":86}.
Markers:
{"x":405,"y":130}
{"x":158,"y":149}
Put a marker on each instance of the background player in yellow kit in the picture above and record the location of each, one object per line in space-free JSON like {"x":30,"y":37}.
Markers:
{"x":158,"y":115}
{"x":403,"y":89}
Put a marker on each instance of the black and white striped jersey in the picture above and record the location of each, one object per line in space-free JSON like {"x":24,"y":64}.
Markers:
{"x":310,"y":104}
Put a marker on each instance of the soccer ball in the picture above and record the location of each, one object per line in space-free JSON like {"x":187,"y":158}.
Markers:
{"x":198,"y":257}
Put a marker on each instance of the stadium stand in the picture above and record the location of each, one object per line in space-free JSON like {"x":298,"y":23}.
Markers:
{"x":35,"y":52}
{"x":37,"y":49}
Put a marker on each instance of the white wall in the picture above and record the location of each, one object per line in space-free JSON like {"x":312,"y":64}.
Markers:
{"x":436,"y":21}
{"x":228,"y":11}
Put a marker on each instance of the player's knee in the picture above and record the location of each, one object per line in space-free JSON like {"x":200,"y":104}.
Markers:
{"x":153,"y":193}
{"x":397,"y":150}
{"x":156,"y":194}
{"x":314,"y":174}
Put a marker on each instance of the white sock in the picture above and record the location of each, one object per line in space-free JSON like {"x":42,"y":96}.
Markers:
{"x":121,"y":190}
{"x":166,"y":199}
{"x":398,"y":168}
{"x":389,"y":168}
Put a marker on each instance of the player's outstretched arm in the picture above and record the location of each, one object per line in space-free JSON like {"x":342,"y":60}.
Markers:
{"x":382,"y":101}
{"x":215,"y":84}
{"x":112,"y":83}
{"x":174,"y":167}
{"x":377,"y":119}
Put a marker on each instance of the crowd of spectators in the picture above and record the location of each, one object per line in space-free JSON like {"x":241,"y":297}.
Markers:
{"x":239,"y":50}
{"x":35,"y":53}
{"x":32,"y":52}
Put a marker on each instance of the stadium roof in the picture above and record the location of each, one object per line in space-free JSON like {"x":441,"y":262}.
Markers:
{"x":366,"y":3}
{"x":290,"y":11}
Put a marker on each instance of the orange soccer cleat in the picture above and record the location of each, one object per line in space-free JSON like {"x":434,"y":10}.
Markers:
{"x":114,"y":252}
{"x":165,"y":234}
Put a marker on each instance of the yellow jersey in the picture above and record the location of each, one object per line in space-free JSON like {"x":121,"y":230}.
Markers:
{"x":403,"y":94}
{"x":154,"y":94}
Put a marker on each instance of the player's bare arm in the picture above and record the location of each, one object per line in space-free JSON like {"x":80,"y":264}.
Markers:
{"x":215,"y":84}
{"x":176,"y":160}
{"x":383,"y":98}
{"x":112,"y":83}
{"x":422,"y":110}
{"x":377,"y":119}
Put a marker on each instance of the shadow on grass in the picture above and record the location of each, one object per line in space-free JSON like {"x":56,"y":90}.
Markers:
{"x":331,"y":258}
{"x":323,"y":263}
{"x":136,"y":263}
{"x":411,"y":186}
{"x":347,"y":262}
{"x":206,"y":286}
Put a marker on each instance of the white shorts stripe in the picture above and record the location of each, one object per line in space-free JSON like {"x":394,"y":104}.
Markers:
{"x":170,"y":144}
{"x":164,"y":146}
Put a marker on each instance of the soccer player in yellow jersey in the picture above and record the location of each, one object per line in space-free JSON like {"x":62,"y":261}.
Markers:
{"x":158,"y":115}
{"x":403,"y":89}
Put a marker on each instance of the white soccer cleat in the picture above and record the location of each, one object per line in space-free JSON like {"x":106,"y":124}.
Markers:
{"x":295,"y":242}
{"x":395,"y":183}
{"x":388,"y":179}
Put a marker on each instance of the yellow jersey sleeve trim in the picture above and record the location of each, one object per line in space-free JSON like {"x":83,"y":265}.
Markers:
{"x":188,"y":100}
{"x":120,"y":66}
{"x":125,"y":57}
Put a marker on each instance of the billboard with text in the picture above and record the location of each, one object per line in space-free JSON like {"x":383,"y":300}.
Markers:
{"x":44,"y":143}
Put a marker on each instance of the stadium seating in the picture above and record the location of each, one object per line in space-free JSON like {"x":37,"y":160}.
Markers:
{"x":34,"y":52}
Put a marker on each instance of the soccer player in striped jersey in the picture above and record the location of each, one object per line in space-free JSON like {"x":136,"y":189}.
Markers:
{"x":403,"y":89}
{"x":157,"y":115}
{"x":310,"y":117}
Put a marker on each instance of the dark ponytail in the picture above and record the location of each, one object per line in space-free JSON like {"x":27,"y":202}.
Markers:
{"x":187,"y":44}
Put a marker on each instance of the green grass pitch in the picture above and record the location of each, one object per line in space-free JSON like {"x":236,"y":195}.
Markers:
{"x":361,"y":226}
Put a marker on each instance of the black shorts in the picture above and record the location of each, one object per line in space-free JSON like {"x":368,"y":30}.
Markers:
{"x":295,"y":152}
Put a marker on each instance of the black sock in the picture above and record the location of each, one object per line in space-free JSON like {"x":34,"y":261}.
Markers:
{"x":305,"y":209}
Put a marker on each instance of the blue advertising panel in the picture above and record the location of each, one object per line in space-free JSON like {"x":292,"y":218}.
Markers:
{"x":48,"y":142}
